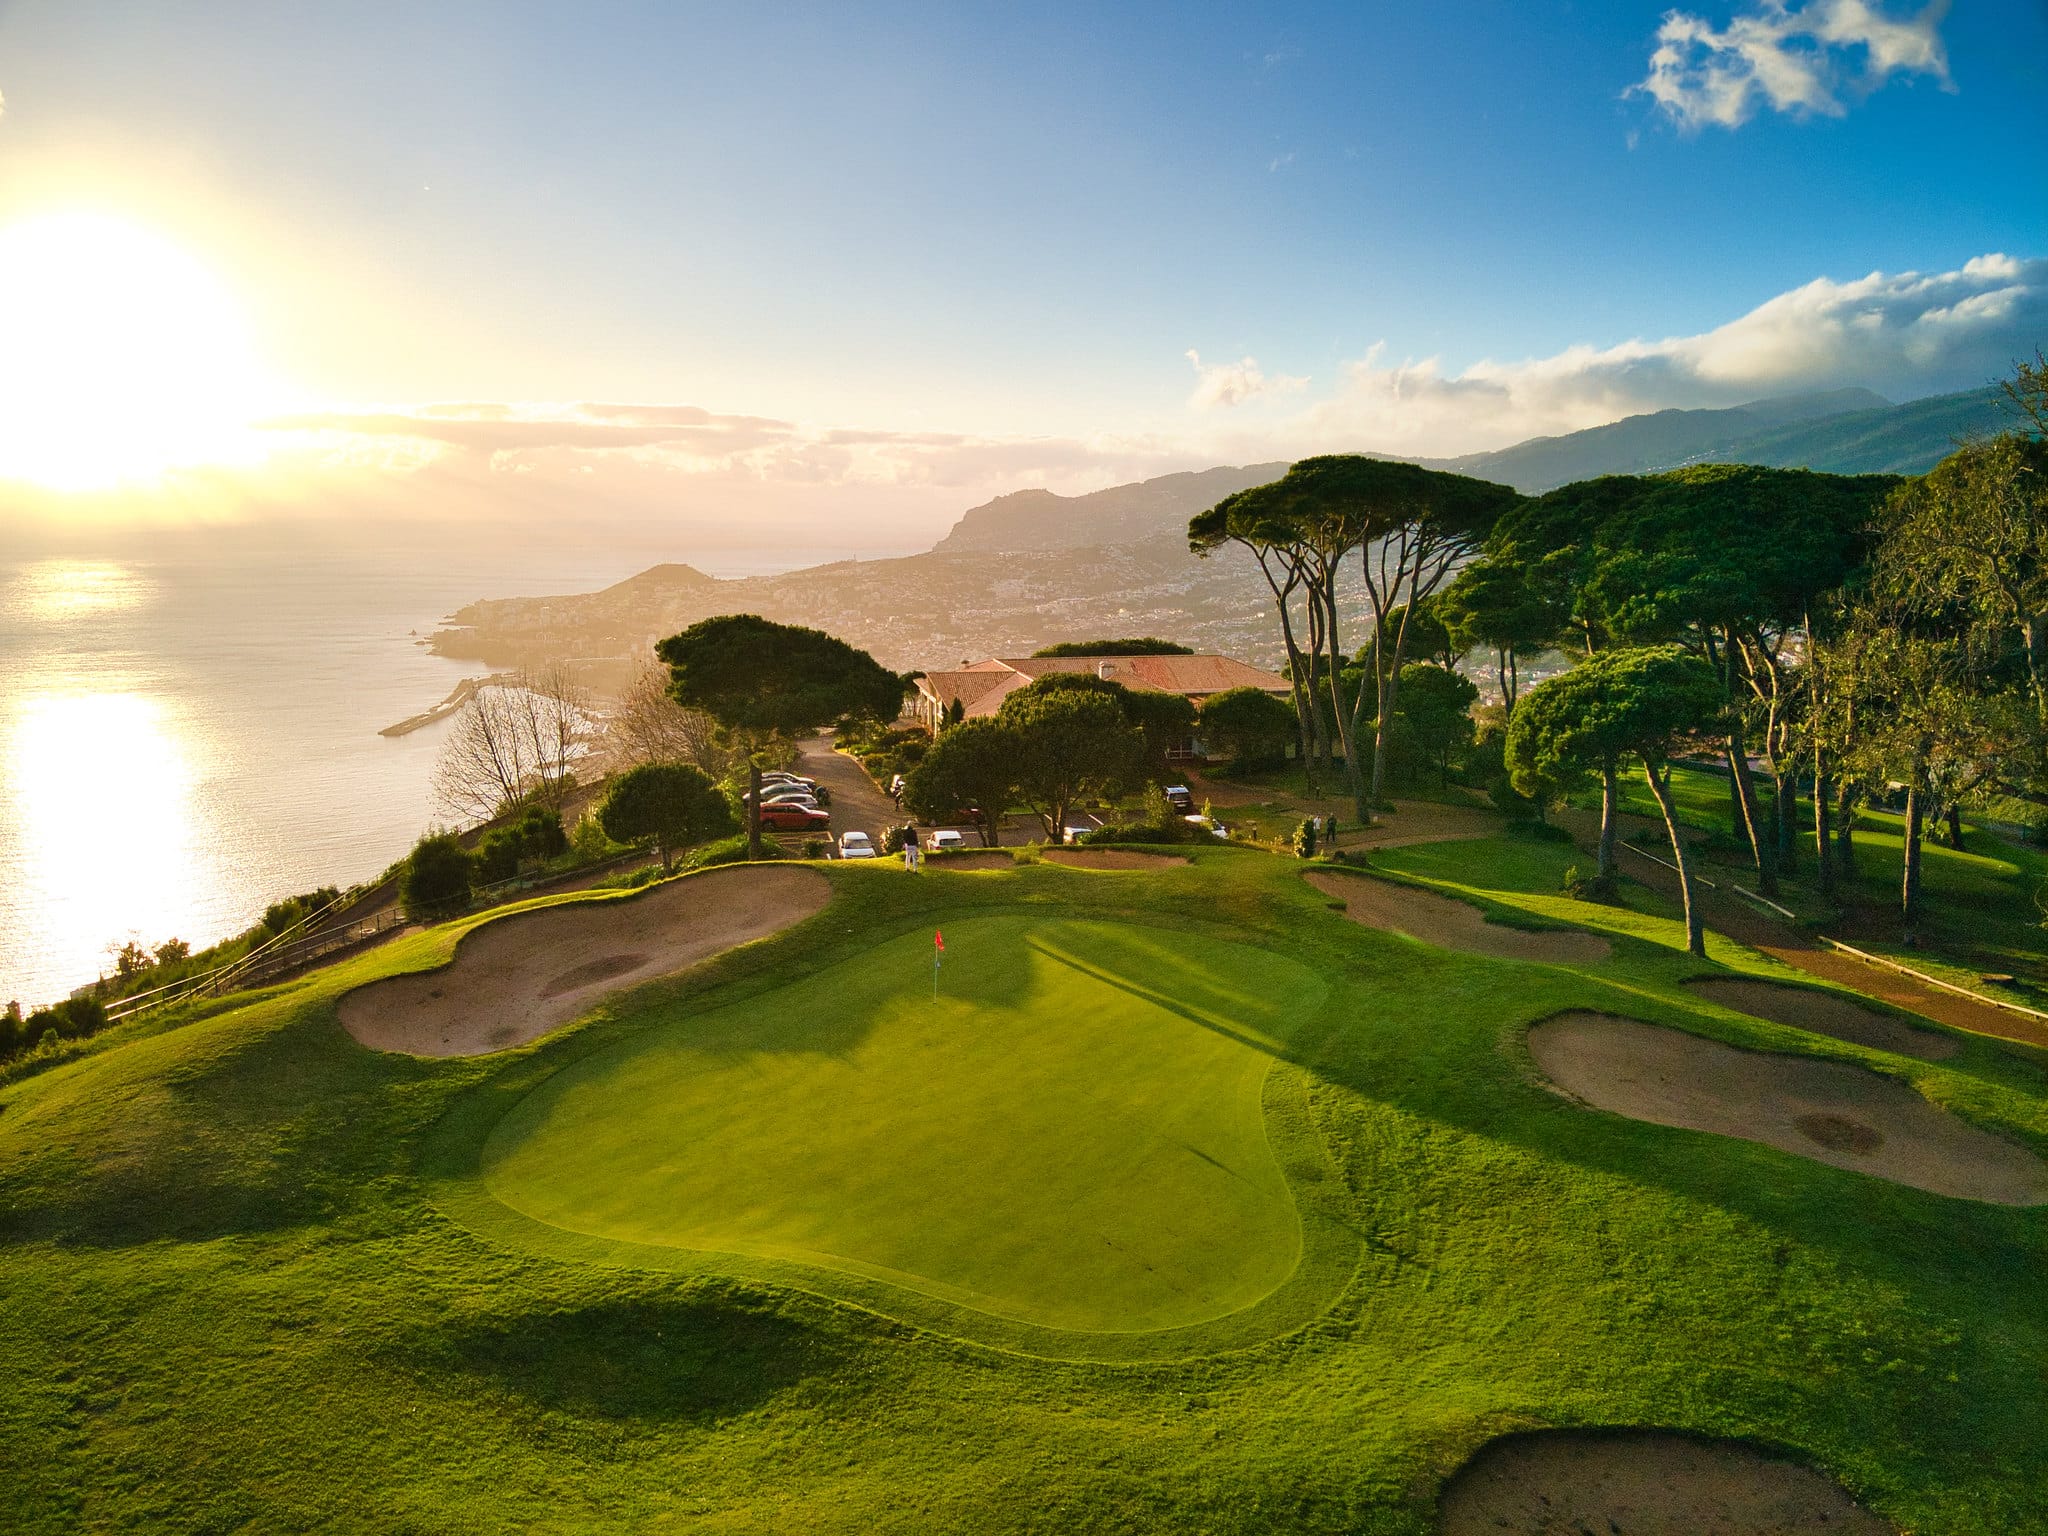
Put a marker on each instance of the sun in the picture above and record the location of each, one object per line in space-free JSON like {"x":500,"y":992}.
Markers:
{"x":124,"y":355}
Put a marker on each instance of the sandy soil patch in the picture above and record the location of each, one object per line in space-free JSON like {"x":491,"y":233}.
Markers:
{"x":979,"y":858}
{"x":513,"y":980}
{"x":1109,"y":858}
{"x":1830,"y":1111}
{"x":1643,"y":1483}
{"x":1451,"y":924}
{"x":1824,"y":1013}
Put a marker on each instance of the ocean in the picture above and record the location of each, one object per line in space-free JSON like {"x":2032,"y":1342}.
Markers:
{"x":191,"y":734}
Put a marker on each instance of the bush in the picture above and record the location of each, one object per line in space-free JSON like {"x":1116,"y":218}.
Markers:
{"x":816,"y":848}
{"x":281,"y":915}
{"x":729,"y":850}
{"x":894,"y":839}
{"x":437,"y":879}
{"x":1510,"y":801}
{"x":1538,"y":832}
{"x":590,"y":845}
{"x":1305,"y":839}
{"x":497,"y":856}
{"x":540,"y":835}
{"x":78,"y":1017}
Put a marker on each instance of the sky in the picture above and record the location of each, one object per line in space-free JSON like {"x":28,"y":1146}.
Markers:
{"x":850,"y":269}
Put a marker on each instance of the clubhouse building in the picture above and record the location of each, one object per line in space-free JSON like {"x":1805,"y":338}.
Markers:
{"x":979,"y":688}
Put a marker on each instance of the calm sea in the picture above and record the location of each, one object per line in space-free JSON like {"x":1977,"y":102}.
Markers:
{"x":186,"y":737}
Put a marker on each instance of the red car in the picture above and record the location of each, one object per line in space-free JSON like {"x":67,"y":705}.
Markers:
{"x":783,"y":817}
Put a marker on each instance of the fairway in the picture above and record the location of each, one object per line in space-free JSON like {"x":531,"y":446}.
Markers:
{"x":1072,"y":1135}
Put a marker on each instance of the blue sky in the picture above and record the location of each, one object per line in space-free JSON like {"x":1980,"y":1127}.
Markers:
{"x":1016,"y":222}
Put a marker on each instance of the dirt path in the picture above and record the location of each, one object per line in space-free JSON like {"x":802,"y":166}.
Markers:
{"x":1746,"y":924}
{"x":1824,"y":1013}
{"x":1835,"y":1113}
{"x":515,"y":979}
{"x":1643,"y":1483}
{"x":1449,"y":924}
{"x":1410,"y":821}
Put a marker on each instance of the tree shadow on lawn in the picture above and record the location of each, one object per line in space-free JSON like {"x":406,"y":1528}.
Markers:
{"x":694,"y":1358}
{"x":1932,"y":1245}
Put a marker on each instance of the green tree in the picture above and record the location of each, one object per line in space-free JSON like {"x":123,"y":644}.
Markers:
{"x":668,"y":805}
{"x":1144,"y":645}
{"x":1496,"y":602}
{"x":1249,"y":724}
{"x":437,"y":878}
{"x":760,"y":679}
{"x":974,"y":763}
{"x":1436,"y":713}
{"x":1070,"y":743}
{"x":1647,"y":702}
{"x":1408,"y":526}
{"x":541,"y":836}
{"x":1165,"y":720}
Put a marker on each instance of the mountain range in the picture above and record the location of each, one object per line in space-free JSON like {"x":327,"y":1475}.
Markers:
{"x":1033,"y":567}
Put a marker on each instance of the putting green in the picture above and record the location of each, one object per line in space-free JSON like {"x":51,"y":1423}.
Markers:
{"x":1073,"y":1136}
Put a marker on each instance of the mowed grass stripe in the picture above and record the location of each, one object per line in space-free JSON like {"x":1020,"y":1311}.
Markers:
{"x":1071,"y":1135}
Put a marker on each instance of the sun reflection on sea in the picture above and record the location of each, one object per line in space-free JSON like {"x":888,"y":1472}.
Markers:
{"x":53,"y":591}
{"x":104,"y":811}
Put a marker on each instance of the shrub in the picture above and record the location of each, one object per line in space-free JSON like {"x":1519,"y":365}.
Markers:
{"x":78,"y":1017}
{"x":1305,"y":839}
{"x":816,"y":848}
{"x":1509,"y":800}
{"x":589,"y":844}
{"x":437,"y":878}
{"x":497,"y":856}
{"x":728,"y":850}
{"x":540,"y":835}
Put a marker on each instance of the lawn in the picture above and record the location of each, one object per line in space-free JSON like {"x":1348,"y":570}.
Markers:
{"x":1982,"y":904}
{"x":780,"y":1245}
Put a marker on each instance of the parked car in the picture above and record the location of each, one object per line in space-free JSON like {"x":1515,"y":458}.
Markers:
{"x":770,"y":796}
{"x":1178,"y":797}
{"x":856,"y":845}
{"x":790,"y":816}
{"x":1215,"y":829}
{"x":819,"y":792}
{"x":944,"y":840}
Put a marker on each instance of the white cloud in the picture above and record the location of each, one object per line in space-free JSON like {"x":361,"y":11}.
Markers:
{"x":1903,"y":335}
{"x":1226,"y":384}
{"x":1804,"y":61}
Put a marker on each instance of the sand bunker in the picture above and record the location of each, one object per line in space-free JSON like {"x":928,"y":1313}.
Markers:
{"x":1824,"y":1013}
{"x":1830,"y":1111}
{"x":515,"y":979}
{"x":980,"y":858}
{"x":1109,"y":858}
{"x":1643,"y":1483}
{"x":1451,"y":924}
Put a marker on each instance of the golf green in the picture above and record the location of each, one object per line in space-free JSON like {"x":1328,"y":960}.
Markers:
{"x":1072,"y":1135}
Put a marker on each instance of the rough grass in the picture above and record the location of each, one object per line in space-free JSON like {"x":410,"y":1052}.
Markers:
{"x":232,"y":1302}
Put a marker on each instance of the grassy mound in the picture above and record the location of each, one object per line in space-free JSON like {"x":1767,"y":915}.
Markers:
{"x":256,"y":1278}
{"x":1069,"y":1134}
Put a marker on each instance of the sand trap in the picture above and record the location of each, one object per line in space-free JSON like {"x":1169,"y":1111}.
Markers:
{"x":979,"y":858}
{"x":1824,"y":1013}
{"x":1643,"y":1483}
{"x":1451,"y":924}
{"x":515,"y":979}
{"x":1830,"y":1111}
{"x":1109,"y":858}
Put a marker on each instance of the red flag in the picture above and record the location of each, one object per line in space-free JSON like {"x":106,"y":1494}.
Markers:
{"x":938,"y":939}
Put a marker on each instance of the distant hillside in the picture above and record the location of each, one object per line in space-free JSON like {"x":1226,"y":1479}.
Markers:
{"x":1123,"y":513}
{"x":1660,"y":440}
{"x":1116,"y":561}
{"x":1901,"y":439}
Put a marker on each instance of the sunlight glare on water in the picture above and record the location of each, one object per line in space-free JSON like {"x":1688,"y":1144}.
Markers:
{"x":104,"y":800}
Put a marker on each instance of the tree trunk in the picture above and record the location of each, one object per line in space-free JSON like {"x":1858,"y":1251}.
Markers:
{"x":1514,"y":681}
{"x":1610,"y":808}
{"x":1762,"y":848}
{"x":1660,"y":786}
{"x":1955,"y":828}
{"x":1909,"y":874}
{"x":1845,"y":832}
{"x":1785,"y":808}
{"x":753,"y":806}
{"x":1823,"y":854}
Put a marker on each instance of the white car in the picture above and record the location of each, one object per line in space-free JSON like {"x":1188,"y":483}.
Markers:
{"x":1213,"y":828}
{"x":856,"y":845}
{"x":944,"y":840}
